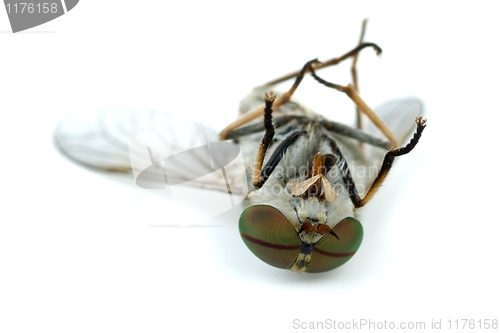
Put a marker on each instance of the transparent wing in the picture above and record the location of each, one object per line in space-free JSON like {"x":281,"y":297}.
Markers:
{"x":158,"y":149}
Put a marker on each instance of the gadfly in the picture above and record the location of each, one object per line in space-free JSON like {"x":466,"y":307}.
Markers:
{"x":304,"y":176}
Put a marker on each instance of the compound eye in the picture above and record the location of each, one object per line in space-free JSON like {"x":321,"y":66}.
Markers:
{"x":269,"y":235}
{"x":331,"y":252}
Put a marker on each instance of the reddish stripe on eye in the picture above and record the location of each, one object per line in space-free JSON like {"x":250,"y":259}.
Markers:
{"x":335,"y":255}
{"x":270,"y":245}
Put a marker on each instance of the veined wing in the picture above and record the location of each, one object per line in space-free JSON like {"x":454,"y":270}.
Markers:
{"x":159,"y":149}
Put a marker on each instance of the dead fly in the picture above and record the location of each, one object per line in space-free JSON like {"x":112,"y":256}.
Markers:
{"x":303,"y":176}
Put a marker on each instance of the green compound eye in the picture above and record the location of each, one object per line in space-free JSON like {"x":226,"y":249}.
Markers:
{"x":330,"y":252}
{"x":269,"y":235}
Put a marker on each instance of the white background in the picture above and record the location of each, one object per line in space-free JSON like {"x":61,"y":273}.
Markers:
{"x":77,"y":253}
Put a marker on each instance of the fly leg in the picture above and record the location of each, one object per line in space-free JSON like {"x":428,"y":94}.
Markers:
{"x":354,"y":75}
{"x":266,"y":140}
{"x":389,"y":159}
{"x":328,"y":63}
{"x":261,"y":174}
{"x":277,"y":102}
{"x":350,"y":91}
{"x":298,"y":75}
{"x":355,"y":83}
{"x":384,"y":169}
